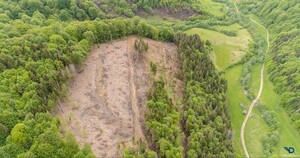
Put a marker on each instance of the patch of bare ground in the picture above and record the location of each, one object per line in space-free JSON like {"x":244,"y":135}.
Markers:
{"x":166,"y":13}
{"x":181,"y":14}
{"x":106,"y":102}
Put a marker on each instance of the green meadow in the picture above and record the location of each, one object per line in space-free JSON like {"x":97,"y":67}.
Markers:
{"x":213,"y":7}
{"x":256,"y":128}
{"x":235,"y":96}
{"x":227,"y":50}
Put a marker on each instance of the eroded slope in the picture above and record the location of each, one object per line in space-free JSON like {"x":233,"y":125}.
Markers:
{"x":106,"y":104}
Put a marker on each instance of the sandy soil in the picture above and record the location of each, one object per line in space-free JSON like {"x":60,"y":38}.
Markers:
{"x":106,"y":102}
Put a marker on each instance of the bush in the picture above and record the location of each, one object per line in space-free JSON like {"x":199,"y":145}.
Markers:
{"x":153,"y":67}
{"x":148,"y":9}
{"x":229,"y":33}
{"x":141,"y":46}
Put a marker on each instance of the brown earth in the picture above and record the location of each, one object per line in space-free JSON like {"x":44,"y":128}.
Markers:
{"x":165,"y":13}
{"x":182,"y":14}
{"x":106,"y":102}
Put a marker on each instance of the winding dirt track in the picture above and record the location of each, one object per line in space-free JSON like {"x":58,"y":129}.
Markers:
{"x":250,"y":110}
{"x":259,"y":92}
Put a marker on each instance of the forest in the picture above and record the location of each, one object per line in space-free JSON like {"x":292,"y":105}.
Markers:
{"x":206,"y":122}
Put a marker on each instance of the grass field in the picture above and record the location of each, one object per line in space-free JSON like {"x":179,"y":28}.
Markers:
{"x":255,"y":78}
{"x":212,"y":7}
{"x":256,"y":129}
{"x":235,"y":27}
{"x":235,"y":97}
{"x":227,"y":49}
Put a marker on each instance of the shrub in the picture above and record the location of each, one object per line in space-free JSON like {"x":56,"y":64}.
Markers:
{"x":141,"y":46}
{"x":153,"y":67}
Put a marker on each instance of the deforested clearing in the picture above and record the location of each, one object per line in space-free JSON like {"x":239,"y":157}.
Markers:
{"x":106,"y":102}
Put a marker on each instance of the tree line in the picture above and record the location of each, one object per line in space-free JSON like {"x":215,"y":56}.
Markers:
{"x":205,"y":117}
{"x":67,"y":10}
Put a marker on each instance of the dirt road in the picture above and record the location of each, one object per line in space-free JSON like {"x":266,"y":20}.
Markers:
{"x":250,"y":110}
{"x":259,"y":92}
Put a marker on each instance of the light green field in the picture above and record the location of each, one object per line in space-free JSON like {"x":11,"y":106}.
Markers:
{"x":255,"y":78}
{"x":255,"y":126}
{"x":222,"y":59}
{"x":256,"y":129}
{"x":212,"y":7}
{"x":235,"y":27}
{"x":235,"y":96}
{"x":227,"y":49}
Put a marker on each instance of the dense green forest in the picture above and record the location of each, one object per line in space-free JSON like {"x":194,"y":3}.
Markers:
{"x":67,"y":10}
{"x":282,"y":20}
{"x":205,"y":120}
{"x":163,"y":125}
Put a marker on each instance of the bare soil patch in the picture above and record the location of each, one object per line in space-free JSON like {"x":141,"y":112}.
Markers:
{"x":166,"y":13}
{"x":106,"y":102}
{"x":182,"y":14}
